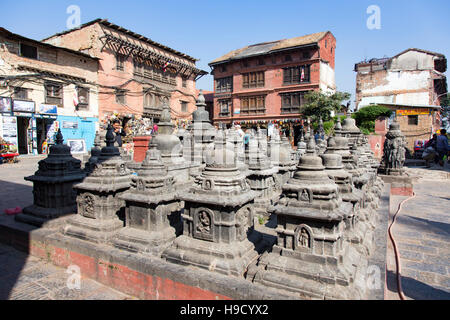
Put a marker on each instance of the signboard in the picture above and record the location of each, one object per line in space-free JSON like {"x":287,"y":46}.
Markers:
{"x":237,"y":111}
{"x":5,"y":104}
{"x":24,"y":106}
{"x":10,"y":130}
{"x":77,"y":145}
{"x":70,"y":125}
{"x":412,"y":112}
{"x":48,"y":109}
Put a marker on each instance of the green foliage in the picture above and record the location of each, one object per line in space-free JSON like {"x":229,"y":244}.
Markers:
{"x":261,"y":220}
{"x":321,"y":105}
{"x":328,"y":126}
{"x":365,"y":117}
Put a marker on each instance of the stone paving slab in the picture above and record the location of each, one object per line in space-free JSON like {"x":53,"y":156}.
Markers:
{"x":25,"y":277}
{"x":422,"y":233}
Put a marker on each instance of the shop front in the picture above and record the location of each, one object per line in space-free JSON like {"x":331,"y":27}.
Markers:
{"x":78,"y":132}
{"x":31,"y":130}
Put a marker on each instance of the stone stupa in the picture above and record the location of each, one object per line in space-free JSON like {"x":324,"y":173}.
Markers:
{"x":153,"y":211}
{"x":100,"y":209}
{"x":53,"y":194}
{"x":218,"y":233}
{"x":311,"y":256}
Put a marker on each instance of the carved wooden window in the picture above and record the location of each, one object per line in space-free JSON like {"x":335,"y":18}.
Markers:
{"x":138,"y":67}
{"x":224,"y":85}
{"x":225,"y":107}
{"x":253,"y":105}
{"x":120,"y":62}
{"x":296,"y":75}
{"x":291,"y":102}
{"x":253,"y":80}
{"x":53,"y":93}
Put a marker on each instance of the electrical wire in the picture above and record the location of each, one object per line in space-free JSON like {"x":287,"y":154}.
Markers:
{"x":397,"y":254}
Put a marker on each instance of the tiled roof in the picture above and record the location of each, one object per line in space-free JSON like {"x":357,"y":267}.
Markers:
{"x":268,"y":47}
{"x":111,"y":25}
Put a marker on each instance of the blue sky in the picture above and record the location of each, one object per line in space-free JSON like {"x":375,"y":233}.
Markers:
{"x":208,"y":29}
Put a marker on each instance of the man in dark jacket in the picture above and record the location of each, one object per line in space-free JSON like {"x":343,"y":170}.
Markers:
{"x":442,"y":147}
{"x":118,"y":131}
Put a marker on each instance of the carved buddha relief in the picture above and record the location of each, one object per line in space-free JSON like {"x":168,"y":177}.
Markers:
{"x":304,"y":238}
{"x":304,"y":195}
{"x":140,"y":185}
{"x":88,"y":201}
{"x":203,"y":225}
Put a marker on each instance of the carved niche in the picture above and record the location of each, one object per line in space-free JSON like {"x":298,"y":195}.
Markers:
{"x":203,"y":224}
{"x":303,"y":238}
{"x":87,"y":205}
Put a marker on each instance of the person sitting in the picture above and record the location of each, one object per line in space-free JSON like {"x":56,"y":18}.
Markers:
{"x":429,"y":155}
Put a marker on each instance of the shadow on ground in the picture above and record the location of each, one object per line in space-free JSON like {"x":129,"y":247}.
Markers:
{"x":415,"y":289}
{"x":12,"y":261}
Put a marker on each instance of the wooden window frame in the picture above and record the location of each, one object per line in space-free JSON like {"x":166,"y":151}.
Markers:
{"x":120,"y":93}
{"x":83,"y":105}
{"x":30,"y":46}
{"x":253,"y":105}
{"x":292,"y":75}
{"x":222,"y":112}
{"x":224,"y":85}
{"x":19,"y":96}
{"x":120,"y":62}
{"x":292,"y":101}
{"x":253,"y":80}
{"x":50,"y":98}
{"x":415,"y":118}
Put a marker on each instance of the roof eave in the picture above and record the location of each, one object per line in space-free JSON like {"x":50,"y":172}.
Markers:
{"x":263,"y":54}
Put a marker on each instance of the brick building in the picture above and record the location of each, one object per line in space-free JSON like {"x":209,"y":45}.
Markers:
{"x":417,"y":122}
{"x":267,"y":81}
{"x":412,"y":84}
{"x":136,"y":75}
{"x":39,"y":84}
{"x":414,"y":77}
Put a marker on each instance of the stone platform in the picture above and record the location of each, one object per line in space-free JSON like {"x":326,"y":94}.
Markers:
{"x":147,"y":277}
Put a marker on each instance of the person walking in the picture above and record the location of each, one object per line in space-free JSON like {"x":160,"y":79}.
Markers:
{"x":246,"y":139}
{"x":442,"y":146}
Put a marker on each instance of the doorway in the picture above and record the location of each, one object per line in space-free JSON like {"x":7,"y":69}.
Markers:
{"x":24,"y":138}
{"x":42,"y":128}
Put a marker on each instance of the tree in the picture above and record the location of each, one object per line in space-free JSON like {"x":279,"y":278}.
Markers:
{"x":321,"y":105}
{"x":365,"y":117}
{"x":445,"y":112}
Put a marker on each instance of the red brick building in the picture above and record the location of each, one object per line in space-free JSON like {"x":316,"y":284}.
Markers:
{"x":267,"y":81}
{"x":136,"y":74}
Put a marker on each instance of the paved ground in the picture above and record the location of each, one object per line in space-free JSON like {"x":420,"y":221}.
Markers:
{"x":25,"y":277}
{"x":422,"y":233}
